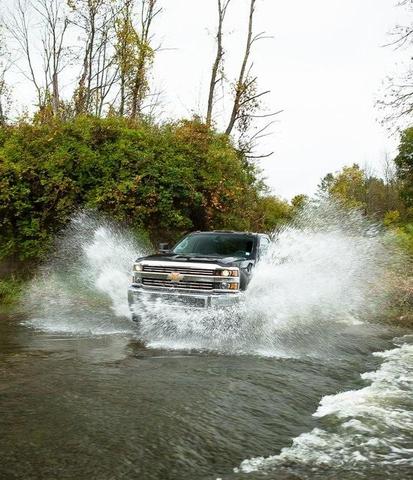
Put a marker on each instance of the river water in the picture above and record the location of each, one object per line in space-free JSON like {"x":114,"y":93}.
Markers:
{"x":302,"y":381}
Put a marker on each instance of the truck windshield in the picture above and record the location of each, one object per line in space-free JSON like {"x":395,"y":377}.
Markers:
{"x":219,"y":245}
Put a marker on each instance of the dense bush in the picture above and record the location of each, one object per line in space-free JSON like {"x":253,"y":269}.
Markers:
{"x":165,"y":180}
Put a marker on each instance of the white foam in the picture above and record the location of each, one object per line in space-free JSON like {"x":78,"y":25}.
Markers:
{"x":372,"y":425}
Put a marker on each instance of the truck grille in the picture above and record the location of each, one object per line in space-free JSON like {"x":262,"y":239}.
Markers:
{"x":155,"y":282}
{"x":183,"y":270}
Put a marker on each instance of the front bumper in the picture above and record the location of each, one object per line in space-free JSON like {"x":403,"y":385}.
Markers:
{"x":139,"y":296}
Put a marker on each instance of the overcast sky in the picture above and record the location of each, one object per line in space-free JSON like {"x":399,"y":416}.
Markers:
{"x":324,"y":65}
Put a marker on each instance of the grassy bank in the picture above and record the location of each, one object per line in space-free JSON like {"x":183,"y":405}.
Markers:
{"x":10,"y":290}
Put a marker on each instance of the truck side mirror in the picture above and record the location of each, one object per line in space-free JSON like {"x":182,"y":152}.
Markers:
{"x":164,"y":248}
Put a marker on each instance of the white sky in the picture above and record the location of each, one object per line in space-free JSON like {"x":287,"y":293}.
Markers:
{"x":324,"y":66}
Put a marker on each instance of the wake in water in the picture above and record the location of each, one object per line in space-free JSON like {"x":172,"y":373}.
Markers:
{"x":325,"y":269}
{"x":359,"y":428}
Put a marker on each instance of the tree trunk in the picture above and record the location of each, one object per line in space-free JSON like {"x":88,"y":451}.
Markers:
{"x":217,"y":62}
{"x":241,"y":79}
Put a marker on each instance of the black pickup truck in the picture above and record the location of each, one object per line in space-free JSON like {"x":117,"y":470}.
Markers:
{"x":204,"y":269}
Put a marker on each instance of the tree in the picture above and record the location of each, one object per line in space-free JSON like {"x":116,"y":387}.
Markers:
{"x":52,"y":23}
{"x":217,"y":65}
{"x":134,"y":55}
{"x":165,"y":180}
{"x":269,"y":213}
{"x":299,"y":201}
{"x":55,"y":23}
{"x":140,"y":84}
{"x":404,"y":163}
{"x":354,"y":187}
{"x":5,"y":90}
{"x":96,"y":21}
{"x":125,"y":50}
{"x":349,"y":187}
{"x":397,"y":103}
{"x":323,"y":187}
{"x":20,"y":31}
{"x":247,"y":96}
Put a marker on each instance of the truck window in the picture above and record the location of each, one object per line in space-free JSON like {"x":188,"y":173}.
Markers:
{"x":216,"y":245}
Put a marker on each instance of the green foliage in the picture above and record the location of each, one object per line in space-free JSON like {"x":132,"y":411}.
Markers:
{"x":391,"y":218}
{"x":349,"y":186}
{"x":299,"y":201}
{"x":353,"y":187}
{"x":404,"y":162}
{"x":10,"y":290}
{"x":404,"y":235}
{"x":164,"y":180}
{"x":269,"y":213}
{"x":378,"y":198}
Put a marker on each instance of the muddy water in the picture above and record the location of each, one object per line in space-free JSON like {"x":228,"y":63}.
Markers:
{"x":107,"y":407}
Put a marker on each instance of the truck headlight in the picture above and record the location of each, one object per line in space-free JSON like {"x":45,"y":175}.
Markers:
{"x":137,"y":267}
{"x":228,"y":272}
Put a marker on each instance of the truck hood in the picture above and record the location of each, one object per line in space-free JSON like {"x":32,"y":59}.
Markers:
{"x":224,"y":261}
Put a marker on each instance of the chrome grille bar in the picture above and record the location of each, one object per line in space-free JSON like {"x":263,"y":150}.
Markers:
{"x":155,"y":282}
{"x":183,"y":270}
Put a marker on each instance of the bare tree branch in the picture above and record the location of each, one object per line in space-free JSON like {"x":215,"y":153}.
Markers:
{"x":5,"y":90}
{"x":397,"y":104}
{"x":240,"y":86}
{"x":150,"y":10}
{"x":96,"y":20}
{"x":18,"y":28}
{"x":222,"y":9}
{"x":52,"y":22}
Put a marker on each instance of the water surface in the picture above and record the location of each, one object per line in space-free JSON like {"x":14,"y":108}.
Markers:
{"x":106,"y":407}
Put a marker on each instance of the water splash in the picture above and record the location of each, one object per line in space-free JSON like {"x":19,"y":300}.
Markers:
{"x":327,"y":265}
{"x":324,"y":270}
{"x":370,"y":426}
{"x":82,"y":288}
